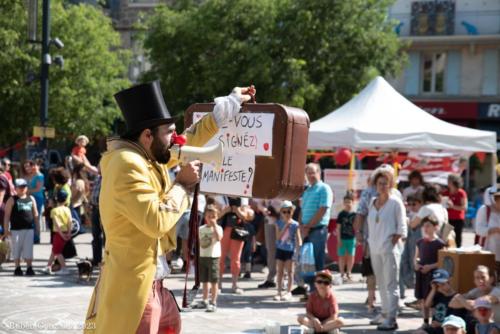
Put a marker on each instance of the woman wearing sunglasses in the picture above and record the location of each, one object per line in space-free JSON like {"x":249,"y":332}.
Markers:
{"x":322,"y":310}
{"x":288,"y":237}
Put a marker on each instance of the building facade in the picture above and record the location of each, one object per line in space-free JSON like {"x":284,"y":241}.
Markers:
{"x":453,"y":66}
{"x":125,"y":15}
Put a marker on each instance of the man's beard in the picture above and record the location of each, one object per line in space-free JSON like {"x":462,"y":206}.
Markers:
{"x":160,"y":151}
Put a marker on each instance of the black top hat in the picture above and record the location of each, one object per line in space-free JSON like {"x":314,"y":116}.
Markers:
{"x":143,"y":107}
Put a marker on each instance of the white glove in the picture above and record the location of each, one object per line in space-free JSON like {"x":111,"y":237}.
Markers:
{"x":227,"y":107}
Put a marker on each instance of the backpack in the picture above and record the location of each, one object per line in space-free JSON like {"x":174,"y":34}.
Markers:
{"x":447,"y":233}
{"x":479,"y":239}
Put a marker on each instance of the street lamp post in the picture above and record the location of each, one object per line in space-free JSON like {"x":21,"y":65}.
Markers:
{"x":46,"y":61}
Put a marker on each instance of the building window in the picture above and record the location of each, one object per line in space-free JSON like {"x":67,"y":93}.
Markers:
{"x":433,"y":75}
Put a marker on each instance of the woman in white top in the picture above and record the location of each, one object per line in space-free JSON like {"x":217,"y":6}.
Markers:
{"x":488,"y":225}
{"x":433,"y":207}
{"x":386,"y":226}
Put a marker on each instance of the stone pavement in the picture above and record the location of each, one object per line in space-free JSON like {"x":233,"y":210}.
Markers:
{"x":57,"y":304}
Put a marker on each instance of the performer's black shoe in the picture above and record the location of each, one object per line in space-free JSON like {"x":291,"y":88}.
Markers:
{"x":266,"y":285}
{"x":300,"y":290}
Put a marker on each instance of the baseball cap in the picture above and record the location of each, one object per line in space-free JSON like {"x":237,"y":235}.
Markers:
{"x":325,"y":274}
{"x":286,"y":205}
{"x":454,"y":321}
{"x":20,"y":183}
{"x":482,"y":302}
{"x":61,"y":196}
{"x":440,"y":276}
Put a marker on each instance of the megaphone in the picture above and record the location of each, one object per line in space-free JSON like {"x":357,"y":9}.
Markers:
{"x":211,"y":155}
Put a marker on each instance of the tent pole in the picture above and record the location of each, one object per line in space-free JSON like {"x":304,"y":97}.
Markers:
{"x":351,"y":170}
{"x":467,"y":177}
{"x":493,"y":169}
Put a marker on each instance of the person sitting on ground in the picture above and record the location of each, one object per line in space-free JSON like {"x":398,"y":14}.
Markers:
{"x":210,"y":250}
{"x":346,"y":240}
{"x":454,"y":325}
{"x":438,"y":299}
{"x":288,"y":238}
{"x":426,"y":256}
{"x":485,"y":287}
{"x":322,"y":310}
{"x":22,"y":214}
{"x":483,"y":314}
{"x":61,"y":219}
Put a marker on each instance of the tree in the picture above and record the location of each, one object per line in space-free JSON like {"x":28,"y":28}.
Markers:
{"x":81,"y":93}
{"x":313,"y":54}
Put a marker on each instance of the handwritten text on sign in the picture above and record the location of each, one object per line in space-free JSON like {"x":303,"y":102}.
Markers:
{"x":235,"y":177}
{"x":246,"y":136}
{"x":246,"y":133}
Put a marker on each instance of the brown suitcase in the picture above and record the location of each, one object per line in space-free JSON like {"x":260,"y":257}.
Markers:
{"x":281,"y":175}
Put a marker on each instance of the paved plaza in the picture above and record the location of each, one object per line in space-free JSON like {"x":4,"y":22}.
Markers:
{"x":57,"y":304}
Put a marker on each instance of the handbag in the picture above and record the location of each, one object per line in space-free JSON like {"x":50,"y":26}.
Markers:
{"x":239,"y":232}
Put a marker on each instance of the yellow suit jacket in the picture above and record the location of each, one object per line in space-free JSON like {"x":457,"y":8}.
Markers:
{"x":139,"y":207}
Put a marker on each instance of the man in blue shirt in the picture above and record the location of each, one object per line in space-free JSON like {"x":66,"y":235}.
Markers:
{"x":315,"y":216}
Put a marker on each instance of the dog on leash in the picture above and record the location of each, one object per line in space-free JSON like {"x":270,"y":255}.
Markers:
{"x":84,"y":270}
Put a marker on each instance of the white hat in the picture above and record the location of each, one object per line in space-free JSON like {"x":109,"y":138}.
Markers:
{"x":482,"y":302}
{"x":286,"y":205}
{"x":20,"y":183}
{"x":82,"y":137}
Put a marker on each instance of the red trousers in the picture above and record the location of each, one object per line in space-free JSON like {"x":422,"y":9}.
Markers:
{"x":161,"y":314}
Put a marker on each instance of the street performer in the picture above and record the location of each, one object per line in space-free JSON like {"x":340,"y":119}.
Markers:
{"x":139,"y":207}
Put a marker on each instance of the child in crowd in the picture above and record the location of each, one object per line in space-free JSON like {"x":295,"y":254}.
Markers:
{"x":210,"y":251}
{"x":484,"y":283}
{"x":438,"y":299}
{"x":483,"y":314}
{"x":79,"y":154}
{"x":61,"y":218}
{"x":322,"y":310}
{"x":22,"y":214}
{"x":287,"y":238}
{"x":346,"y":238}
{"x":407,"y":269}
{"x":426,"y":258}
{"x":454,"y":325}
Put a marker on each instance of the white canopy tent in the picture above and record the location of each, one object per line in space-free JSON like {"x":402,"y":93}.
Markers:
{"x":381,"y":119}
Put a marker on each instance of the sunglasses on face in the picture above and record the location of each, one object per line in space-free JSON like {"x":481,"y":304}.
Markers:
{"x":319,"y":281}
{"x":286,"y":212}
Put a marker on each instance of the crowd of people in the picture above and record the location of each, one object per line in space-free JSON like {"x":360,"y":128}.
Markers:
{"x":57,"y":200}
{"x":401,"y":232}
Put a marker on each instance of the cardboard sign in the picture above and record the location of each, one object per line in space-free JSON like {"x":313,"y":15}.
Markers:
{"x":245,"y":137}
{"x":265,"y":148}
{"x":235,"y":177}
{"x":250,"y":134}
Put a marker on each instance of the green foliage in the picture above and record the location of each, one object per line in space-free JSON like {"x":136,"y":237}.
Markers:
{"x":80,"y":94}
{"x":313,"y":54}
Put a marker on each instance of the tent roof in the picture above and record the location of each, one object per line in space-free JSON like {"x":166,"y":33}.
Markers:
{"x":379,"y":118}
